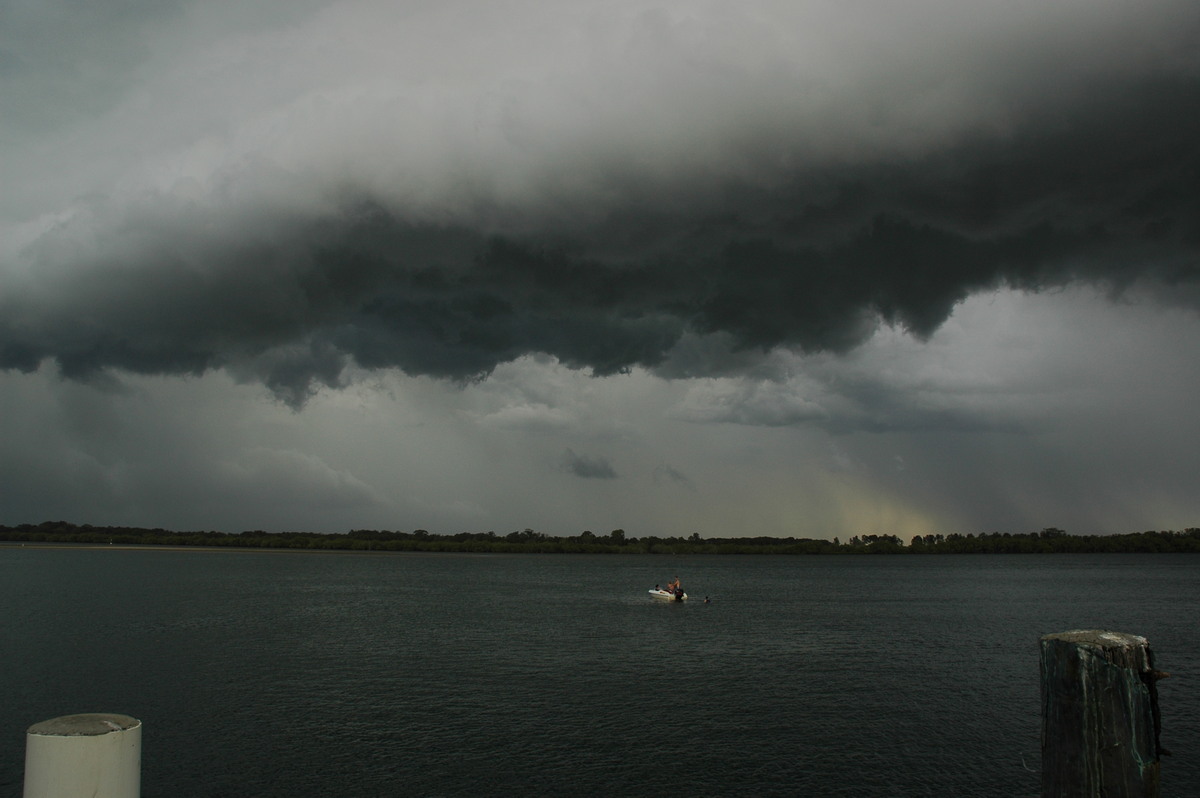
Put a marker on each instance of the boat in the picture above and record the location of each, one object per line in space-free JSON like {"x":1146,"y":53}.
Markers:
{"x":667,"y":595}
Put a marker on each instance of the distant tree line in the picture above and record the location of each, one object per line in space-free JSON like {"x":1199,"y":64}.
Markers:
{"x":1047,"y":541}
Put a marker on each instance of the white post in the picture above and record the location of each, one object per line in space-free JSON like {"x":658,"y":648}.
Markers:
{"x":84,"y":756}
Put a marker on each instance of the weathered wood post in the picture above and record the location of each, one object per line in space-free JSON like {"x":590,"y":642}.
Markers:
{"x":1100,"y":721}
{"x":84,"y":756}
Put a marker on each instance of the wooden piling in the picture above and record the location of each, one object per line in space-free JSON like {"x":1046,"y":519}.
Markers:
{"x":84,"y":756}
{"x":1100,"y":720}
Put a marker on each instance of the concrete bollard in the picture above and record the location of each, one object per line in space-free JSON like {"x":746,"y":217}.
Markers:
{"x":84,"y":756}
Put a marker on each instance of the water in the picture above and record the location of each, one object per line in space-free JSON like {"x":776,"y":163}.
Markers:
{"x":290,"y":673}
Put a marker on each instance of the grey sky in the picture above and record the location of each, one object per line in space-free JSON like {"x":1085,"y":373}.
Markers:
{"x":779,"y":268}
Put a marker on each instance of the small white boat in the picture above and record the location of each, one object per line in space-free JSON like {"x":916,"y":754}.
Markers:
{"x":668,"y":595}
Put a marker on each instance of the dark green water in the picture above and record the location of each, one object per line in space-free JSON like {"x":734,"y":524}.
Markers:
{"x":282,"y":674}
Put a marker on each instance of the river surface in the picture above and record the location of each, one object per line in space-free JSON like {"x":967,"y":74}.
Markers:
{"x":358,"y":674}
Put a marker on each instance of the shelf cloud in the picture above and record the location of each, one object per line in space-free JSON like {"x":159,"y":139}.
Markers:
{"x":309,"y":195}
{"x":685,"y":174}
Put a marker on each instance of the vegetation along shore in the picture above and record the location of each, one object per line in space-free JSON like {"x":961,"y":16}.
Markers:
{"x":1046,"y":541}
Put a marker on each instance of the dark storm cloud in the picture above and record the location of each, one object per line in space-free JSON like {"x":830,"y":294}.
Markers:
{"x":685,"y":269}
{"x":588,"y":467}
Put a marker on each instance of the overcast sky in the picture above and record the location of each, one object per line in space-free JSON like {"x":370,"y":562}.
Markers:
{"x":788,"y":268}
